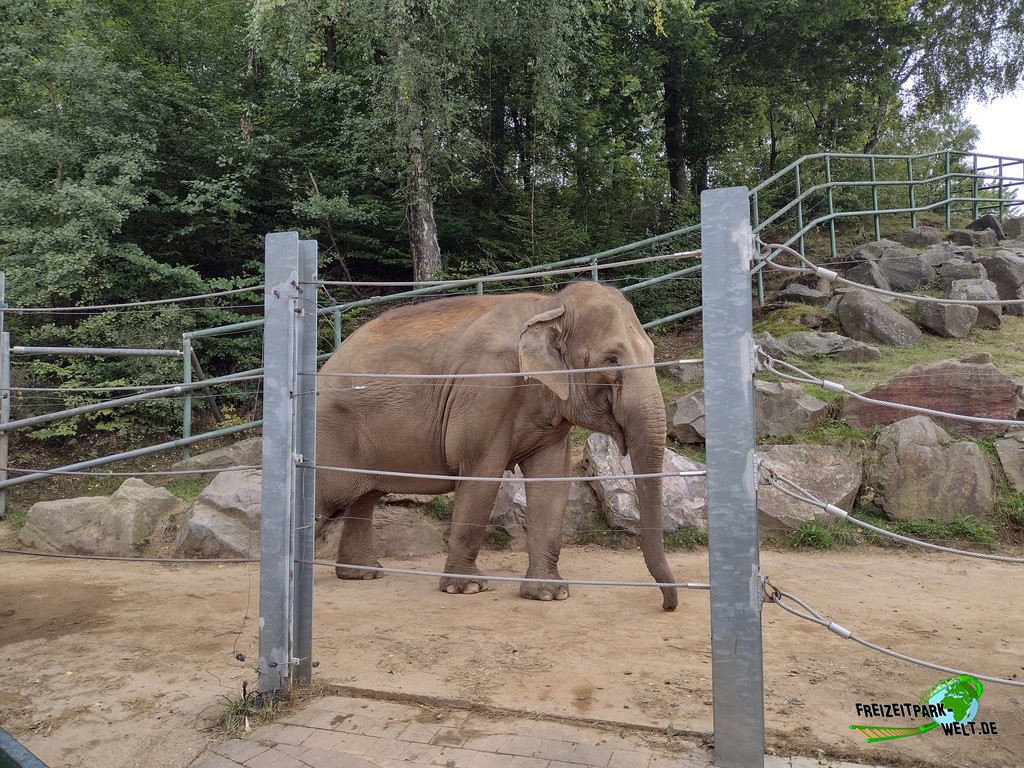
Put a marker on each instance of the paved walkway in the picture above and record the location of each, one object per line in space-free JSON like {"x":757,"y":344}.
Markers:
{"x":342,"y":732}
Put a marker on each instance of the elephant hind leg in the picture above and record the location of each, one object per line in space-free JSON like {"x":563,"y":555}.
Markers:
{"x":355,"y":547}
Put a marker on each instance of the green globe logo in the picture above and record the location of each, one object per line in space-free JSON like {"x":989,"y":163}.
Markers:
{"x":958,"y":696}
{"x":951,"y":703}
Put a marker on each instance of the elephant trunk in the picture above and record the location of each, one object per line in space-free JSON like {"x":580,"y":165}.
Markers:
{"x":645,"y":439}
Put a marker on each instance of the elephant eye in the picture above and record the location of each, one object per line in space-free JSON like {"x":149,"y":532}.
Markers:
{"x":611,"y":360}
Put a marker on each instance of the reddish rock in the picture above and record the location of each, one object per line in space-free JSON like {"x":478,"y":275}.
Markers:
{"x":969,"y":387}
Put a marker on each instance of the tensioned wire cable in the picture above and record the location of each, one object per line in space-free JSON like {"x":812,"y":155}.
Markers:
{"x":510,"y":579}
{"x":813,"y":269}
{"x":511,"y":278}
{"x":803,"y":377}
{"x":777,"y":596}
{"x":134,"y":304}
{"x":795,"y":491}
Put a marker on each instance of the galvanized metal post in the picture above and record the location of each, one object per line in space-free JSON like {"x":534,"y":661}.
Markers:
{"x":277,"y":522}
{"x":736,"y":585}
{"x":5,"y":394}
{"x":186,"y":419}
{"x":305,"y":442}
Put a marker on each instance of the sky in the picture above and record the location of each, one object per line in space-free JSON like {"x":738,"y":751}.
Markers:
{"x":1001,"y":123}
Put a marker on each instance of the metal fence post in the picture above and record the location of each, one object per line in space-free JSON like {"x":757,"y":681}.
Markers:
{"x":277,"y":514}
{"x":5,"y":395}
{"x":305,"y":442}
{"x":734,"y":559}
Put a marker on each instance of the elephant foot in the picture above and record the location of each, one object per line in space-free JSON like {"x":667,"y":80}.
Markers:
{"x":454,"y":586}
{"x":358,"y":574}
{"x":544,"y":591}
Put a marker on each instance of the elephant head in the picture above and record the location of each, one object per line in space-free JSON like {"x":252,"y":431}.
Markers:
{"x":594,"y":326}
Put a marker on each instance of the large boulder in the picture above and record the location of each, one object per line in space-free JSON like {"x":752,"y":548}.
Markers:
{"x":783,"y":408}
{"x":943,"y":253}
{"x":685,"y":499}
{"x":919,"y":237}
{"x":224,"y":520}
{"x":984,"y":239}
{"x":987,"y":221}
{"x":827,"y":472}
{"x":509,"y":512}
{"x":868,"y":273}
{"x":972,"y":386}
{"x":797,"y":293}
{"x":826,"y":344}
{"x":685,"y":418}
{"x":918,"y":472}
{"x":868,"y":319}
{"x":120,"y":525}
{"x":906,"y":271}
{"x":990,"y":316}
{"x":951,"y":321}
{"x":958,"y":269}
{"x":1006,"y":269}
{"x":874,"y":250}
{"x":1010,"y":451}
{"x":398,"y":532}
{"x":244,"y":453}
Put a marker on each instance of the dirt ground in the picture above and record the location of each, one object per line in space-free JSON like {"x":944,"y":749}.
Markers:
{"x":124,"y":664}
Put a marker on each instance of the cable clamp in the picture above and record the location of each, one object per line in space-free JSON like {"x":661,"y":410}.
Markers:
{"x":839,"y":512}
{"x":842,"y":631}
{"x":828,"y":273}
{"x":832,"y":386}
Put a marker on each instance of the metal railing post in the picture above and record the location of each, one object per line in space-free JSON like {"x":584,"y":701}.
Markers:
{"x":874,"y":199}
{"x":949,"y":192}
{"x":913,"y":200}
{"x":305,"y":443}
{"x":737,"y":669}
{"x":277,"y":515}
{"x":831,"y":209}
{"x":186,"y":420}
{"x":799,"y":212}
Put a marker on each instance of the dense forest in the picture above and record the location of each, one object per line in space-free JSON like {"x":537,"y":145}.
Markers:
{"x":147,"y":147}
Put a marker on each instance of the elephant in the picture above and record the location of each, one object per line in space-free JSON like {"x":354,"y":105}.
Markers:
{"x":447,"y":426}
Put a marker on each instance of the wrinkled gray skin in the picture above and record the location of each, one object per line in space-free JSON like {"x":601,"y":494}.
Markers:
{"x":481,"y":427}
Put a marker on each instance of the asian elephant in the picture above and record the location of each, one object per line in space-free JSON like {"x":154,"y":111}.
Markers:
{"x":478,"y":427}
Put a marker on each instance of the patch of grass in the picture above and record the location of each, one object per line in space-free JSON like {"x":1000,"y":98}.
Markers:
{"x":440,"y":508}
{"x":811,"y":535}
{"x":685,"y":537}
{"x":241,"y":714}
{"x":497,"y":538}
{"x":788,"y":319}
{"x":187,"y":489}
{"x":673,"y":389}
{"x":16,"y":517}
{"x":962,"y":528}
{"x":1010,"y":508}
{"x":579,"y":435}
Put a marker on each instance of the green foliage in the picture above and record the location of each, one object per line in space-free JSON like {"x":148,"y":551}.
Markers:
{"x":811,"y":535}
{"x":187,"y":489}
{"x":440,"y":508}
{"x":685,"y":537}
{"x":498,"y":538}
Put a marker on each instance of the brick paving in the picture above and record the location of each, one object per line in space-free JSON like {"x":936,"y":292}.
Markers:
{"x":343,"y":732}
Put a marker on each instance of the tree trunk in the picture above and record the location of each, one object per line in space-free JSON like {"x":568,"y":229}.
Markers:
{"x":773,"y":151}
{"x":419,"y":206}
{"x":672,"y":72}
{"x":413,"y":107}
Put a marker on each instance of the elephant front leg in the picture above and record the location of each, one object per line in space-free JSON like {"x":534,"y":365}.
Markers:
{"x":471,"y":513}
{"x":545,"y":505}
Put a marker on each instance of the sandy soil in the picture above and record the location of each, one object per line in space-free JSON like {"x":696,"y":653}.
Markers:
{"x":113,"y":664}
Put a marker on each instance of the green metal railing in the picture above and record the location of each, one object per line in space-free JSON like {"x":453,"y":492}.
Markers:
{"x":810,"y":194}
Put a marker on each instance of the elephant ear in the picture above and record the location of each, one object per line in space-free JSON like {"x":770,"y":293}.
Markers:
{"x":538,"y":351}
